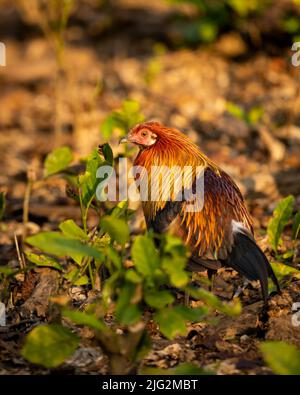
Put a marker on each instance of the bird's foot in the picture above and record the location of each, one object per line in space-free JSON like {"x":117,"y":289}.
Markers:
{"x":239,"y":291}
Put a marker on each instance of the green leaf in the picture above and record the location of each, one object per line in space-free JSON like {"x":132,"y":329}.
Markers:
{"x":130,"y":113}
{"x":132,"y":276}
{"x":174,"y":246}
{"x":107,"y":127}
{"x":7,"y":271}
{"x":127,"y":309}
{"x":116,"y":228}
{"x":49,"y":345}
{"x":208,"y":30}
{"x":82,"y":280}
{"x":296,"y":225}
{"x":131,"y":107}
{"x":282,"y":358}
{"x":192,"y":314}
{"x":43,"y":260}
{"x":61,"y":245}
{"x":72,"y":275}
{"x":281,"y":216}
{"x":89,"y":181}
{"x":130,"y":315}
{"x":158,"y":299}
{"x":171,"y":322}
{"x":232,"y":309}
{"x":58,"y":160}
{"x":71,"y":229}
{"x":236,"y":110}
{"x":81,"y":318}
{"x":2,"y":204}
{"x":254,"y":115}
{"x":174,"y":266}
{"x":145,"y":256}
{"x":114,"y":257}
{"x":281,"y":270}
{"x":122,"y":119}
{"x":108,"y":154}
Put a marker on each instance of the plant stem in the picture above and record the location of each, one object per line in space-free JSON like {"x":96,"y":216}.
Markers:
{"x":29,"y":186}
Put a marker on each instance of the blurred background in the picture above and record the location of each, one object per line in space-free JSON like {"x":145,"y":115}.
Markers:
{"x":79,"y":71}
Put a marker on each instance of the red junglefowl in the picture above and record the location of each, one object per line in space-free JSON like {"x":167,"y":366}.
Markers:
{"x":221,"y":233}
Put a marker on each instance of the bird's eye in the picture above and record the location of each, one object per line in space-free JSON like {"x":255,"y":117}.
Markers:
{"x":144,"y":133}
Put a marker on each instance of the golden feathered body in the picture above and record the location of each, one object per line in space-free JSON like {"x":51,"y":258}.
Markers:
{"x":221,"y":233}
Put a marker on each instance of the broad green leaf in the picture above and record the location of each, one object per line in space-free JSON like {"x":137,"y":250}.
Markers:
{"x":296,"y":225}
{"x":171,"y":322}
{"x":192,"y":314}
{"x":127,"y":309}
{"x":174,"y":245}
{"x":130,"y":113}
{"x":281,"y":270}
{"x":288,"y":255}
{"x":158,"y":299}
{"x":145,"y":256}
{"x":49,"y":345}
{"x":114,"y":257}
{"x":116,"y":228}
{"x":2,"y":204}
{"x":61,"y":245}
{"x":254,"y":115}
{"x":76,"y":278}
{"x":43,"y":260}
{"x":71,"y":229}
{"x":107,"y":127}
{"x":88,"y":181}
{"x":236,"y":110}
{"x":82,"y":280}
{"x":131,"y":107}
{"x":207,"y":30}
{"x":110,"y":286}
{"x":132,"y":276}
{"x":72,"y":275}
{"x":282,"y":358}
{"x":281,"y":216}
{"x":174,"y":266}
{"x":81,"y":318}
{"x":7,"y":271}
{"x":58,"y":160}
{"x":232,"y":309}
{"x":130,"y":314}
{"x":123,"y":119}
{"x":108,"y":154}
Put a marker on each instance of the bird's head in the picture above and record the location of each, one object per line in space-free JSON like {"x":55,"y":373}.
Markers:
{"x":144,"y":134}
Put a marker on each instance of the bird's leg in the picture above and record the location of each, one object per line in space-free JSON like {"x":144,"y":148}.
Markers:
{"x":210,"y":275}
{"x":241,"y":289}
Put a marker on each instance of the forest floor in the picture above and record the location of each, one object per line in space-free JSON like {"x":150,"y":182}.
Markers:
{"x":190,"y":91}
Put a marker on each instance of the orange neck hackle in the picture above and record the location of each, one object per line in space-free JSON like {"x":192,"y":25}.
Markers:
{"x":172,"y":148}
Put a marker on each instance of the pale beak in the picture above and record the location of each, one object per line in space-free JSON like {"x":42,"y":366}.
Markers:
{"x":123,"y":140}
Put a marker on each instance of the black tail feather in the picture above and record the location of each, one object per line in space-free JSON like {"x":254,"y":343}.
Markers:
{"x":197,"y":264}
{"x":249,"y":260}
